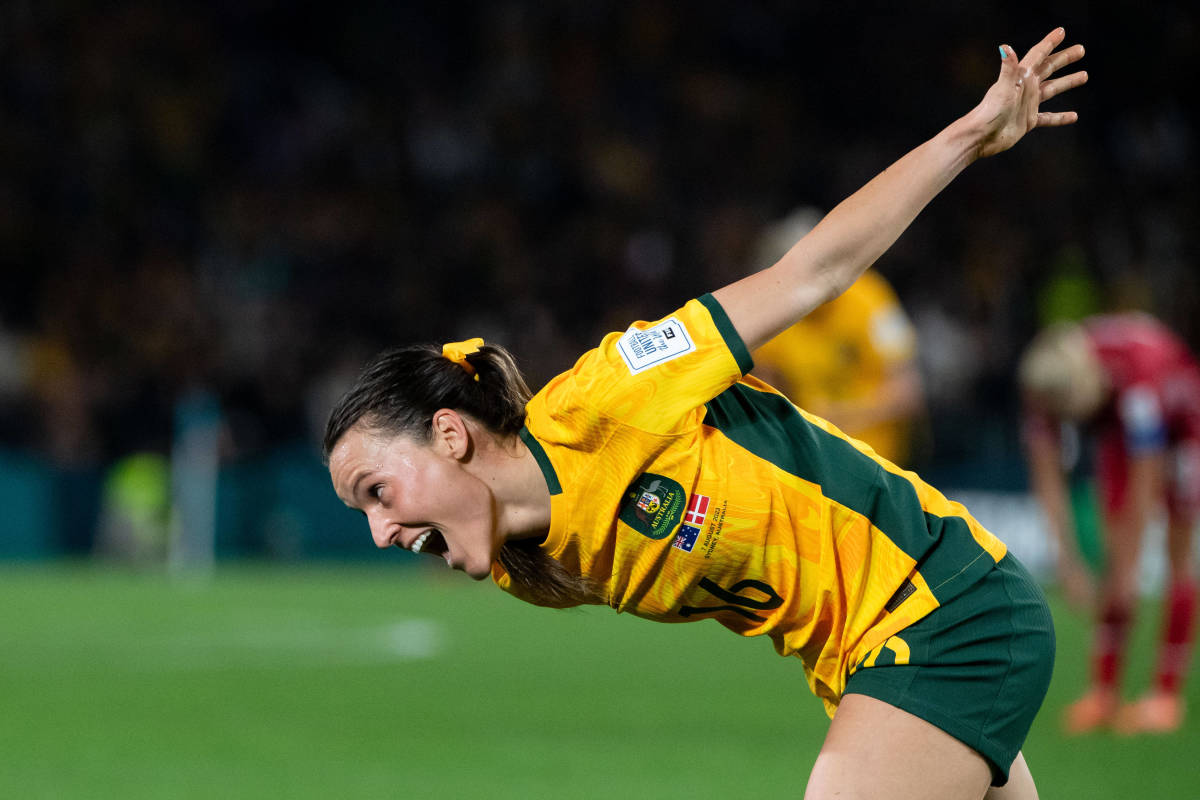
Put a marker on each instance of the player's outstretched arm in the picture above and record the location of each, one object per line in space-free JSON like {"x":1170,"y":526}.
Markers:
{"x":860,"y":228}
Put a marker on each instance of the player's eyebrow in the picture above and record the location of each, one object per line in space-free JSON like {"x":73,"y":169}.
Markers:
{"x":354,"y":486}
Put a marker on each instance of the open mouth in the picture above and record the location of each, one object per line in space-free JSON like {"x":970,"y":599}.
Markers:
{"x":432,"y":542}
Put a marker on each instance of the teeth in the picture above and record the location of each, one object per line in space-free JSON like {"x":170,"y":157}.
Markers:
{"x":419,"y":542}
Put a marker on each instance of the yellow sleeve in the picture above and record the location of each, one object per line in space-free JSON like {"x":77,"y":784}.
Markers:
{"x":657,"y":376}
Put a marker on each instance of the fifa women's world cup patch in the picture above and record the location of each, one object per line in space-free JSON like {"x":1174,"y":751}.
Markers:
{"x":642,"y":349}
{"x":693,"y":521}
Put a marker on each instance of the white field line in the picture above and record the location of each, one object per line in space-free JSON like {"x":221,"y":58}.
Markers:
{"x":308,"y":644}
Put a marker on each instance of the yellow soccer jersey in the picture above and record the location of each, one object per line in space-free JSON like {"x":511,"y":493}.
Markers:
{"x":842,"y":352}
{"x":686,"y":492}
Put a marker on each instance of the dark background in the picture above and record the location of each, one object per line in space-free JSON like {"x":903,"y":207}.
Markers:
{"x":248,"y":199}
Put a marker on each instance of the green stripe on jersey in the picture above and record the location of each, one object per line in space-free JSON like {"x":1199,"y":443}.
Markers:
{"x":770,"y":427}
{"x":543,"y":460}
{"x":733,"y":339}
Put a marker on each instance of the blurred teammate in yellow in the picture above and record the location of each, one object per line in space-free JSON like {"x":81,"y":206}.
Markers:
{"x":852,"y":361}
{"x":656,"y":478}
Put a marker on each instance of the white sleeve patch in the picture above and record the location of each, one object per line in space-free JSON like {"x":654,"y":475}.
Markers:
{"x":892,"y":333}
{"x":643,"y":349}
{"x":1141,"y":412}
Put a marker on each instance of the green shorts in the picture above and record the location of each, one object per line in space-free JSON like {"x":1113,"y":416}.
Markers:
{"x":978,"y":666}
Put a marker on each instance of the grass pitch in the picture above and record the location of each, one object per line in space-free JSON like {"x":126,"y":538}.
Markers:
{"x":391,"y":681}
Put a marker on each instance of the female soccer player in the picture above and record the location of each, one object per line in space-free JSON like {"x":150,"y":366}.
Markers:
{"x":655,"y":478}
{"x":1135,"y":389}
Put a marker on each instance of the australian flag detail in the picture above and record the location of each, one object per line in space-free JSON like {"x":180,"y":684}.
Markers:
{"x":693,"y":520}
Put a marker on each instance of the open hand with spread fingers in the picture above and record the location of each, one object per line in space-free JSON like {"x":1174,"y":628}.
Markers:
{"x":1012,"y":106}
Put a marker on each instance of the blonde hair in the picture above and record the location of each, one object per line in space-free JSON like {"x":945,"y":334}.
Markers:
{"x":1060,"y":370}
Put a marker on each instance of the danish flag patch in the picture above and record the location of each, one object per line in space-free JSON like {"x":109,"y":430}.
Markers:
{"x":697,"y":510}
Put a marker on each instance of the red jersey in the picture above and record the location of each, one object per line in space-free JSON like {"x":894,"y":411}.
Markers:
{"x":1155,"y":402}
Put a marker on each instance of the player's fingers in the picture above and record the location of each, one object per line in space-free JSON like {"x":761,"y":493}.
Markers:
{"x":1053,"y":119}
{"x":1038,"y":53}
{"x":1058,"y":60}
{"x":1065,"y":83}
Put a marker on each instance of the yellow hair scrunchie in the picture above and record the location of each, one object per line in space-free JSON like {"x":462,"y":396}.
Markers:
{"x":458,"y":352}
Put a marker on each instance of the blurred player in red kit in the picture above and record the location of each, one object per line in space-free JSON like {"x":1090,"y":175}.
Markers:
{"x":1134,"y":389}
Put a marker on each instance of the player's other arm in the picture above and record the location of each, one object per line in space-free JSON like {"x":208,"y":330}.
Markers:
{"x":860,"y":228}
{"x":1043,"y":452}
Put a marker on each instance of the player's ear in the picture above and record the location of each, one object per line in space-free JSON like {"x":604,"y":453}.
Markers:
{"x":451,"y":434}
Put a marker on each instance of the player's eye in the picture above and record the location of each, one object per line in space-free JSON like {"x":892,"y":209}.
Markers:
{"x":376,"y":492}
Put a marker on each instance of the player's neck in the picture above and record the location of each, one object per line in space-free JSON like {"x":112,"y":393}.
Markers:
{"x":519,"y":488}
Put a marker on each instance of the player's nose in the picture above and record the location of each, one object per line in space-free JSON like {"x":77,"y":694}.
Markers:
{"x":382,"y":532}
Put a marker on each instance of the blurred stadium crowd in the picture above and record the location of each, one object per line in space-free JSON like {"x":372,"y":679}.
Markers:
{"x":249,"y":198}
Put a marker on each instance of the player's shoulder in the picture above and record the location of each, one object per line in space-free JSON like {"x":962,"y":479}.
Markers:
{"x":873,"y":289}
{"x":1129,"y":329}
{"x":1137,"y":346}
{"x":869,"y":297}
{"x":655,"y":375}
